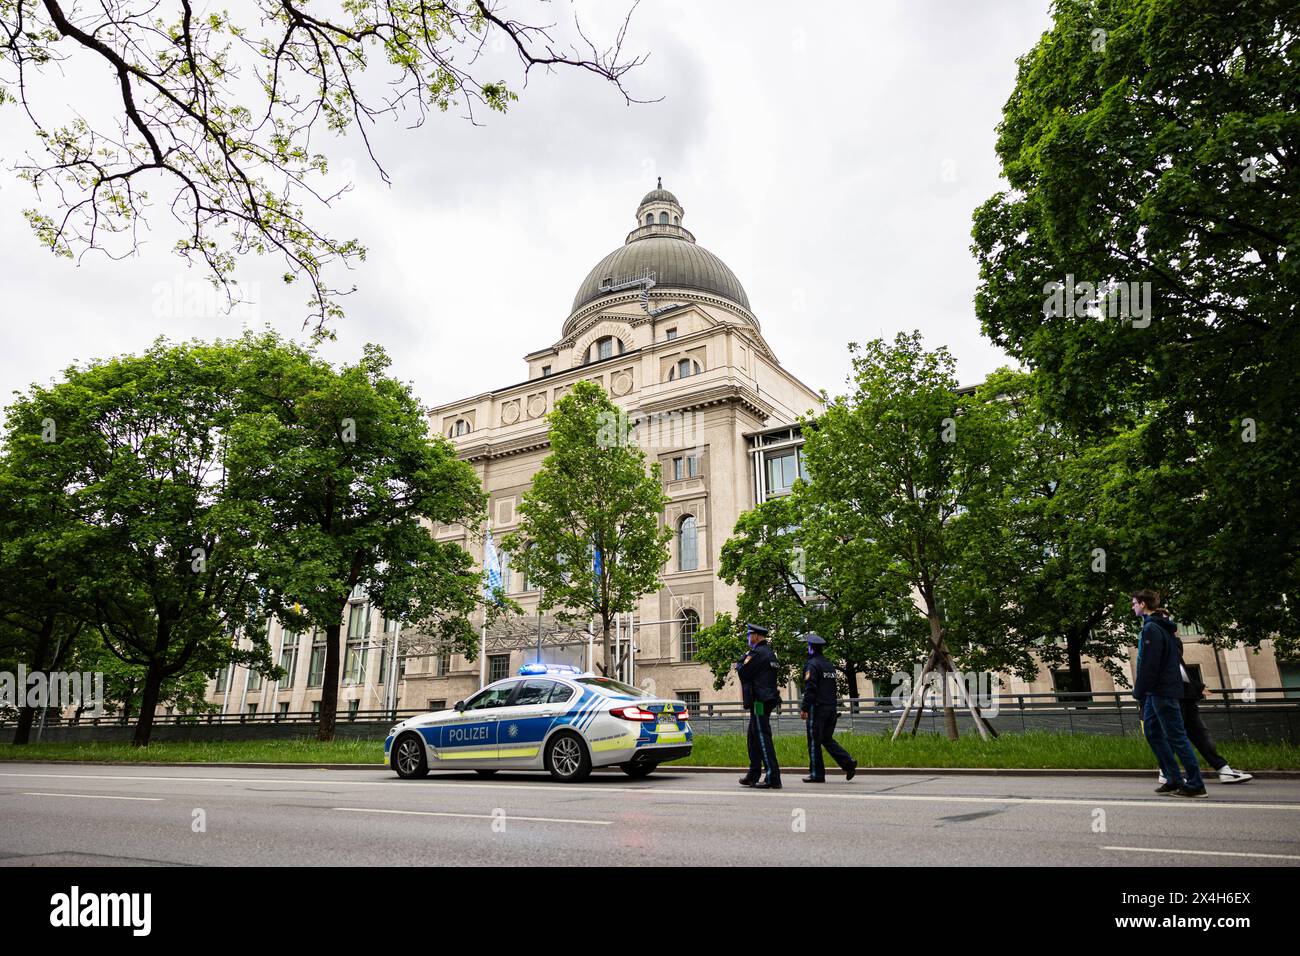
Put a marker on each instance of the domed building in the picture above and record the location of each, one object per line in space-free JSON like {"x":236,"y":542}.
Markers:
{"x":666,"y":327}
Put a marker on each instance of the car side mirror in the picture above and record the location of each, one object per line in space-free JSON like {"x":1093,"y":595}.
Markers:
{"x":460,"y":705}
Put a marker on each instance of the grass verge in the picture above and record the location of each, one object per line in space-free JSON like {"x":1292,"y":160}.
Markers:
{"x":1012,"y":751}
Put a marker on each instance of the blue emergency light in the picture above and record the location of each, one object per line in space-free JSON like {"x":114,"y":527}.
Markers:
{"x":538,"y":668}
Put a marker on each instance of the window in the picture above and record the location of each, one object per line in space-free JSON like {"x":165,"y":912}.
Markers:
{"x":353,"y":707}
{"x":288,"y":657}
{"x":604,"y":348}
{"x":251,"y":710}
{"x":675,"y":221}
{"x":608,"y":687}
{"x":688,"y":466}
{"x":354,"y":662}
{"x":223,"y":678}
{"x":282,"y":710}
{"x":315,"y":710}
{"x":438,"y":704}
{"x":684,"y":369}
{"x":670,"y":334}
{"x":561,"y":693}
{"x":1061,"y":680}
{"x":316,"y":669}
{"x":546,"y":370}
{"x":690,"y":626}
{"x":254,"y":680}
{"x":691,"y":698}
{"x":781,"y":470}
{"x":663,"y":219}
{"x":490,"y":697}
{"x":649,"y":219}
{"x":458,"y":427}
{"x":444,"y":664}
{"x":498,"y":667}
{"x":535,"y":692}
{"x":687,"y":545}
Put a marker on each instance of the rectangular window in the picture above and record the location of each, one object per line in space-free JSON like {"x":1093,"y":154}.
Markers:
{"x":692,"y":466}
{"x":670,"y":334}
{"x":354,"y":663}
{"x":498,"y":667}
{"x":546,"y":370}
{"x":315,"y":710}
{"x":283,"y":709}
{"x":252,"y":710}
{"x":1061,"y":680}
{"x":316,"y":669}
{"x":288,"y":657}
{"x":353,"y":707}
{"x":223,"y":678}
{"x":444,"y":664}
{"x":781,"y":472}
{"x":677,"y":469}
{"x":254,"y":680}
{"x":691,"y":698}
{"x":438,"y":704}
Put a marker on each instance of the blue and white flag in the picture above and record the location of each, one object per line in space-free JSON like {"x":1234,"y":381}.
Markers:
{"x":491,"y":568}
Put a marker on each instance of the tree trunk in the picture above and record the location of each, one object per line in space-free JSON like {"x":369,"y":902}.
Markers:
{"x":1074,"y":651}
{"x":329,"y":698}
{"x":604,"y":644}
{"x":949,"y":712}
{"x":27,"y":715}
{"x":851,"y":678}
{"x":153,"y":679}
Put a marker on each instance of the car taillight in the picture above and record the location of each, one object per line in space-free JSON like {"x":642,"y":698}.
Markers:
{"x":632,"y":713}
{"x":684,"y":714}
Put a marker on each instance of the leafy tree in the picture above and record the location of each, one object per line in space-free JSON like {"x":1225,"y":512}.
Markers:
{"x":222,"y":114}
{"x":1044,"y":577}
{"x":591,"y":526}
{"x":339,"y":481}
{"x":799,"y":570}
{"x":900,"y":462}
{"x":129,"y":452}
{"x":1150,"y":149}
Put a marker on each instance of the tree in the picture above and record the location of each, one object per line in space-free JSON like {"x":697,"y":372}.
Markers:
{"x":900,"y":461}
{"x":1044,"y":579}
{"x":800,"y":570}
{"x":590,"y":527}
{"x":222,"y":114}
{"x":340,"y":483}
{"x":129,"y":452}
{"x":1150,"y":149}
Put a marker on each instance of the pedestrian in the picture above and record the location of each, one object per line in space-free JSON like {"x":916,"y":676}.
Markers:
{"x":1158,"y":687}
{"x":818,"y":710}
{"x":1194,"y":723}
{"x":758,"y":670}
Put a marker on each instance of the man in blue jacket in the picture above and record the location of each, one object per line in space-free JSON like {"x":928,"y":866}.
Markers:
{"x":1158,"y":687}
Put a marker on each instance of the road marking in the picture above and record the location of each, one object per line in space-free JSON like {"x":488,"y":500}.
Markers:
{"x":1253,"y":856}
{"x":477,"y":816}
{"x":88,"y":796}
{"x":1162,"y":803}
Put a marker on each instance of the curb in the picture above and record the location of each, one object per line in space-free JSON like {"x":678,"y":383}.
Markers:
{"x":862,"y":771}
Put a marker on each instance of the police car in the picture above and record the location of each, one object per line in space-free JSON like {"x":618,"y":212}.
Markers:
{"x":550,"y":717}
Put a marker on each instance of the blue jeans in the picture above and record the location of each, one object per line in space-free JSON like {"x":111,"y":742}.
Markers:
{"x":1162,"y":722}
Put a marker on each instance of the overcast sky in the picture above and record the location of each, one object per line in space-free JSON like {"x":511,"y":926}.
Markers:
{"x":832,"y":159}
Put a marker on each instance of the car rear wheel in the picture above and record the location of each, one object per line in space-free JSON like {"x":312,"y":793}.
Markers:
{"x":637,"y":770}
{"x":408,"y":757}
{"x":567,"y":758}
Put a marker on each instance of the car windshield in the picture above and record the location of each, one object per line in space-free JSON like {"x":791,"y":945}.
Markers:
{"x":612,"y":688}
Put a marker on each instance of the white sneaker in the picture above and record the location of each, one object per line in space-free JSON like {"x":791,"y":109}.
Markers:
{"x":1161,"y":778}
{"x":1228,"y":775}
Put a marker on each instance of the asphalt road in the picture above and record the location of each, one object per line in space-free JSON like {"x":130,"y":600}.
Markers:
{"x":87,"y":815}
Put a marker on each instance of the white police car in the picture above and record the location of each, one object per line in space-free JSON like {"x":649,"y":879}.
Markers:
{"x":551,"y":717}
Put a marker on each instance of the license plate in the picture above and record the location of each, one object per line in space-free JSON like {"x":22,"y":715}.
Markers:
{"x":666,"y":729}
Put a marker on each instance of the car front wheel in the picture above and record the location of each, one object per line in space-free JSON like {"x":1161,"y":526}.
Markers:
{"x":408,"y":757}
{"x":567,"y":758}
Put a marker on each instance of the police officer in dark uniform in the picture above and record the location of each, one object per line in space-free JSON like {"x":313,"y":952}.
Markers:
{"x":818,"y":709}
{"x":757,"y":669}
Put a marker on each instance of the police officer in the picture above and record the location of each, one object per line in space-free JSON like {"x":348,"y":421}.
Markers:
{"x":818,"y":711}
{"x":757,"y":669}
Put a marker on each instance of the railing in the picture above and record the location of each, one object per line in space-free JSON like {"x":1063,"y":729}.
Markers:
{"x":1055,"y":701}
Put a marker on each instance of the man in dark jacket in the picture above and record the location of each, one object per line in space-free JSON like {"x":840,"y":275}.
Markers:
{"x":757,"y":670}
{"x":1158,"y":687}
{"x":818,"y":709}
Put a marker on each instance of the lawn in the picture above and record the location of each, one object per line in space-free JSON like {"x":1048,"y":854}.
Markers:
{"x":1015,"y":751}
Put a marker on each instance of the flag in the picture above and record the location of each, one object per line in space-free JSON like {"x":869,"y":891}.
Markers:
{"x":491,"y":568}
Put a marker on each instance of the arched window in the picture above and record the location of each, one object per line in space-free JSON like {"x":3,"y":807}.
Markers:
{"x":663,"y":219}
{"x":605,"y":348}
{"x":458,"y":427}
{"x":688,"y":545}
{"x":649,"y":219}
{"x":690,"y":626}
{"x":683,"y":369}
{"x":675,"y":222}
